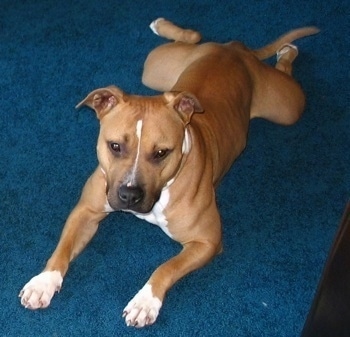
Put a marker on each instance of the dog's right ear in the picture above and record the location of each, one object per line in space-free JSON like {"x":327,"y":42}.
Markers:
{"x":103,"y":100}
{"x":185,"y":103}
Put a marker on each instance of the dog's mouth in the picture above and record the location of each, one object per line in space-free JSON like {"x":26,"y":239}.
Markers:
{"x":135,"y":208}
{"x":131,"y":198}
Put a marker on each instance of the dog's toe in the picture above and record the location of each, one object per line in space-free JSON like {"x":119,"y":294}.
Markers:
{"x":30,"y":299}
{"x":143,"y":309}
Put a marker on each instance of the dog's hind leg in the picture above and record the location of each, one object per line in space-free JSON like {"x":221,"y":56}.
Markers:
{"x":170,"y":31}
{"x":278,"y":97}
{"x":165,"y":63}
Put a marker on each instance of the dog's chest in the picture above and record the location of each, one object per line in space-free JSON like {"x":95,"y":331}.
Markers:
{"x":157,"y":216}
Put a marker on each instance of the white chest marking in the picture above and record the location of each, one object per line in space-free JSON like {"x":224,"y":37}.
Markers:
{"x":157,"y":216}
{"x":186,"y":144}
{"x":107,"y":207}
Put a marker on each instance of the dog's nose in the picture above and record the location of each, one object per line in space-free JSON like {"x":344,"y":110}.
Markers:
{"x":130,"y":195}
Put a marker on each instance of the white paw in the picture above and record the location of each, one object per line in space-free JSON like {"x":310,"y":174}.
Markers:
{"x":37,"y":293}
{"x":153,"y":25}
{"x":143,"y":309}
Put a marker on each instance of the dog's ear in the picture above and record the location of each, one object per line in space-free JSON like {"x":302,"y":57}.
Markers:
{"x":103,"y":100}
{"x":185,"y":103}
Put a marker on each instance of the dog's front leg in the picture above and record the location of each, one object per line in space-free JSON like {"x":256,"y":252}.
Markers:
{"x":80,"y":227}
{"x":144,"y":308}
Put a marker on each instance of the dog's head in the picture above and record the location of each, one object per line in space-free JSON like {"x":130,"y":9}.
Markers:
{"x":141,"y":144}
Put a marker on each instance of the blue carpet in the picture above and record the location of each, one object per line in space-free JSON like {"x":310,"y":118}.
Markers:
{"x":280,"y":204}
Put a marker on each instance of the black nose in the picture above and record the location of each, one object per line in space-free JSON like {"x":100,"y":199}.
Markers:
{"x":130,"y":195}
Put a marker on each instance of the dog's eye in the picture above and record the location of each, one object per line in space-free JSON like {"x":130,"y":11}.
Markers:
{"x":161,"y":154}
{"x":115,"y":147}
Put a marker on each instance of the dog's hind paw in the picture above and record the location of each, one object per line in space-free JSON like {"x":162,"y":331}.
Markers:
{"x":287,"y":48}
{"x":143,"y":309}
{"x":38,"y":292}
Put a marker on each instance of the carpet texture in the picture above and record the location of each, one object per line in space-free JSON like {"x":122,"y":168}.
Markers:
{"x":280,"y":203}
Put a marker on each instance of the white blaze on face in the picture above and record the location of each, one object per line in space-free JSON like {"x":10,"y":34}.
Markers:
{"x":131,"y":180}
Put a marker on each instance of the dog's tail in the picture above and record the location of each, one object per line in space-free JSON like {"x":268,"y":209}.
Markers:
{"x":170,"y":31}
{"x":271,"y":49}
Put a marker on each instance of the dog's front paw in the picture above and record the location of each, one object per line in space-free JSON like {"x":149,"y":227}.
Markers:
{"x":38,"y":292}
{"x":143,"y":309}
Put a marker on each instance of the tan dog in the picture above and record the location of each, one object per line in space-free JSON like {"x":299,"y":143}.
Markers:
{"x":161,"y":157}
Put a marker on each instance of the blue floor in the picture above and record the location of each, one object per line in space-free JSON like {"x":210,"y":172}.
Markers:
{"x":280,"y":204}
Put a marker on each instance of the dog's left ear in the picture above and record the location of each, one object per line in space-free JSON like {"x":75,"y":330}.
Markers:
{"x":185,"y":103}
{"x":103,"y":100}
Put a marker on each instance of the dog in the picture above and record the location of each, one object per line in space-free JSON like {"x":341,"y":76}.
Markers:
{"x":161,"y":157}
